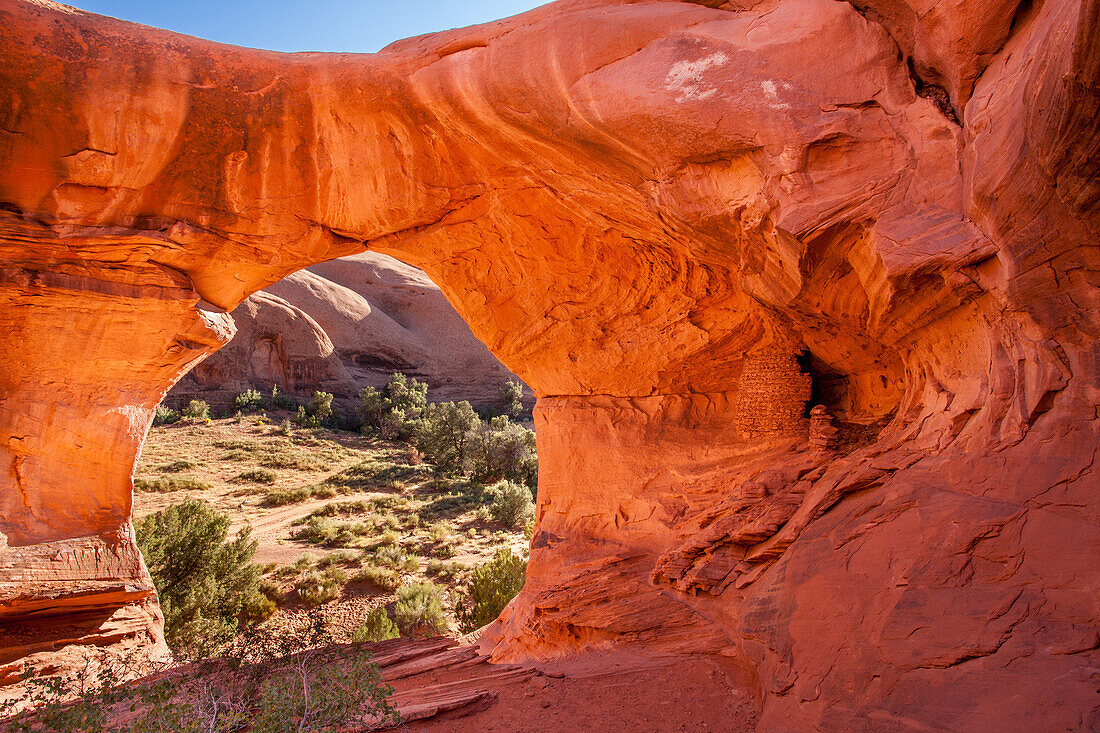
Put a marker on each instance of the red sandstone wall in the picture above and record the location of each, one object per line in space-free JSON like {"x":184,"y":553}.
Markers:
{"x":647,"y":211}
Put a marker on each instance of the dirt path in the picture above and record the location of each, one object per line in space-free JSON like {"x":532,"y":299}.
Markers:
{"x":272,"y":530}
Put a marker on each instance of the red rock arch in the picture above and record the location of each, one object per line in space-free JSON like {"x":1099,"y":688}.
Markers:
{"x":648,"y":211}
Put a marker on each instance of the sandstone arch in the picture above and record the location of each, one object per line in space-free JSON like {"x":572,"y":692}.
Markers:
{"x":648,"y":211}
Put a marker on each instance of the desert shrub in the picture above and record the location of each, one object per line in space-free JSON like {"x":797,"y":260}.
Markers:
{"x":297,"y":461}
{"x":505,"y":450}
{"x":454,"y":570}
{"x":165,"y":415}
{"x":491,"y":586}
{"x":419,"y":609}
{"x":387,"y":520}
{"x":317,"y":689}
{"x":287,"y":496}
{"x":304,"y":561}
{"x":322,"y":492}
{"x":204,"y":579}
{"x":197,"y":410}
{"x":448,"y":549}
{"x":341,"y":507}
{"x":256,"y":476}
{"x":389,"y":537}
{"x":377,"y":627}
{"x":168,"y":484}
{"x":249,"y":400}
{"x":281,"y":400}
{"x":314,"y":693}
{"x":378,"y":576}
{"x":464,"y":497}
{"x":325,"y":531}
{"x":174,"y":466}
{"x":448,"y":436}
{"x":439,"y":532}
{"x":511,"y":503}
{"x":342,"y":557}
{"x":511,"y":398}
{"x":395,"y":557}
{"x":318,"y":412}
{"x":315,"y":587}
{"x":396,"y":409}
{"x":318,"y":530}
{"x":375,"y":474}
{"x":257,"y":609}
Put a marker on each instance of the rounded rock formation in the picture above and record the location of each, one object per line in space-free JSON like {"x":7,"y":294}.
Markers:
{"x":343,"y":325}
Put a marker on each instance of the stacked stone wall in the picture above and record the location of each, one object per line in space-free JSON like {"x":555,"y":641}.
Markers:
{"x":772,"y":393}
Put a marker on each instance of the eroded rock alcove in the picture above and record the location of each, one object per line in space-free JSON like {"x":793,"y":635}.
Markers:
{"x":683,"y":226}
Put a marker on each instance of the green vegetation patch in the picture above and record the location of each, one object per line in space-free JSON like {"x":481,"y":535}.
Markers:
{"x":168,"y":484}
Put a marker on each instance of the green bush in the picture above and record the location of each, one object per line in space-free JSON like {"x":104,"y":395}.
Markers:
{"x":315,"y":693}
{"x":174,"y":467}
{"x":439,"y":532}
{"x":491,"y":586}
{"x":342,"y":557}
{"x":289,"y":496}
{"x":377,"y":474}
{"x":395,"y":410}
{"x":378,"y":627}
{"x":395,"y":557}
{"x":204,"y":579}
{"x":379,"y":577}
{"x":448,"y":549}
{"x":448,"y":436}
{"x":256,"y":476}
{"x":300,"y":461}
{"x":511,"y":504}
{"x":318,"y":412}
{"x":511,"y":398}
{"x":249,"y":400}
{"x":464,"y":497}
{"x":168,"y":484}
{"x":312,"y":686}
{"x":419,"y":609}
{"x":257,"y":609}
{"x":318,"y":530}
{"x":315,"y":588}
{"x":505,"y":450}
{"x":197,"y":410}
{"x":282,"y":400}
{"x":389,"y":537}
{"x":164,"y":415}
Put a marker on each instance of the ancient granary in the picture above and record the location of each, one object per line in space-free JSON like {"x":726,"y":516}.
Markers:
{"x":676,"y":221}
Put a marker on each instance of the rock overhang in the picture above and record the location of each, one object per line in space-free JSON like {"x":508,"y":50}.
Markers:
{"x":679,"y":224}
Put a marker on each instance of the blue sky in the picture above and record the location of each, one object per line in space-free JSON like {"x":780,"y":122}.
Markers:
{"x":317,"y":25}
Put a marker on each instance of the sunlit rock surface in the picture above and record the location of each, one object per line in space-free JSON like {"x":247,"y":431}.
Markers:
{"x":683,"y":226}
{"x":344,"y":325}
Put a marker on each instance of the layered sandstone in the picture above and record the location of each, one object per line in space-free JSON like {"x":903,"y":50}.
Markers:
{"x":683,"y":226}
{"x":343,"y":325}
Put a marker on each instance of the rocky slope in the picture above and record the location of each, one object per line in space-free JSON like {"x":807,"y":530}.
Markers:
{"x":340,"y":326}
{"x":683,"y":225}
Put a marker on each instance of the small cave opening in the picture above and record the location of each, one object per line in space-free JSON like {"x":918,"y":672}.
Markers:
{"x":838,"y":392}
{"x":829,"y":386}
